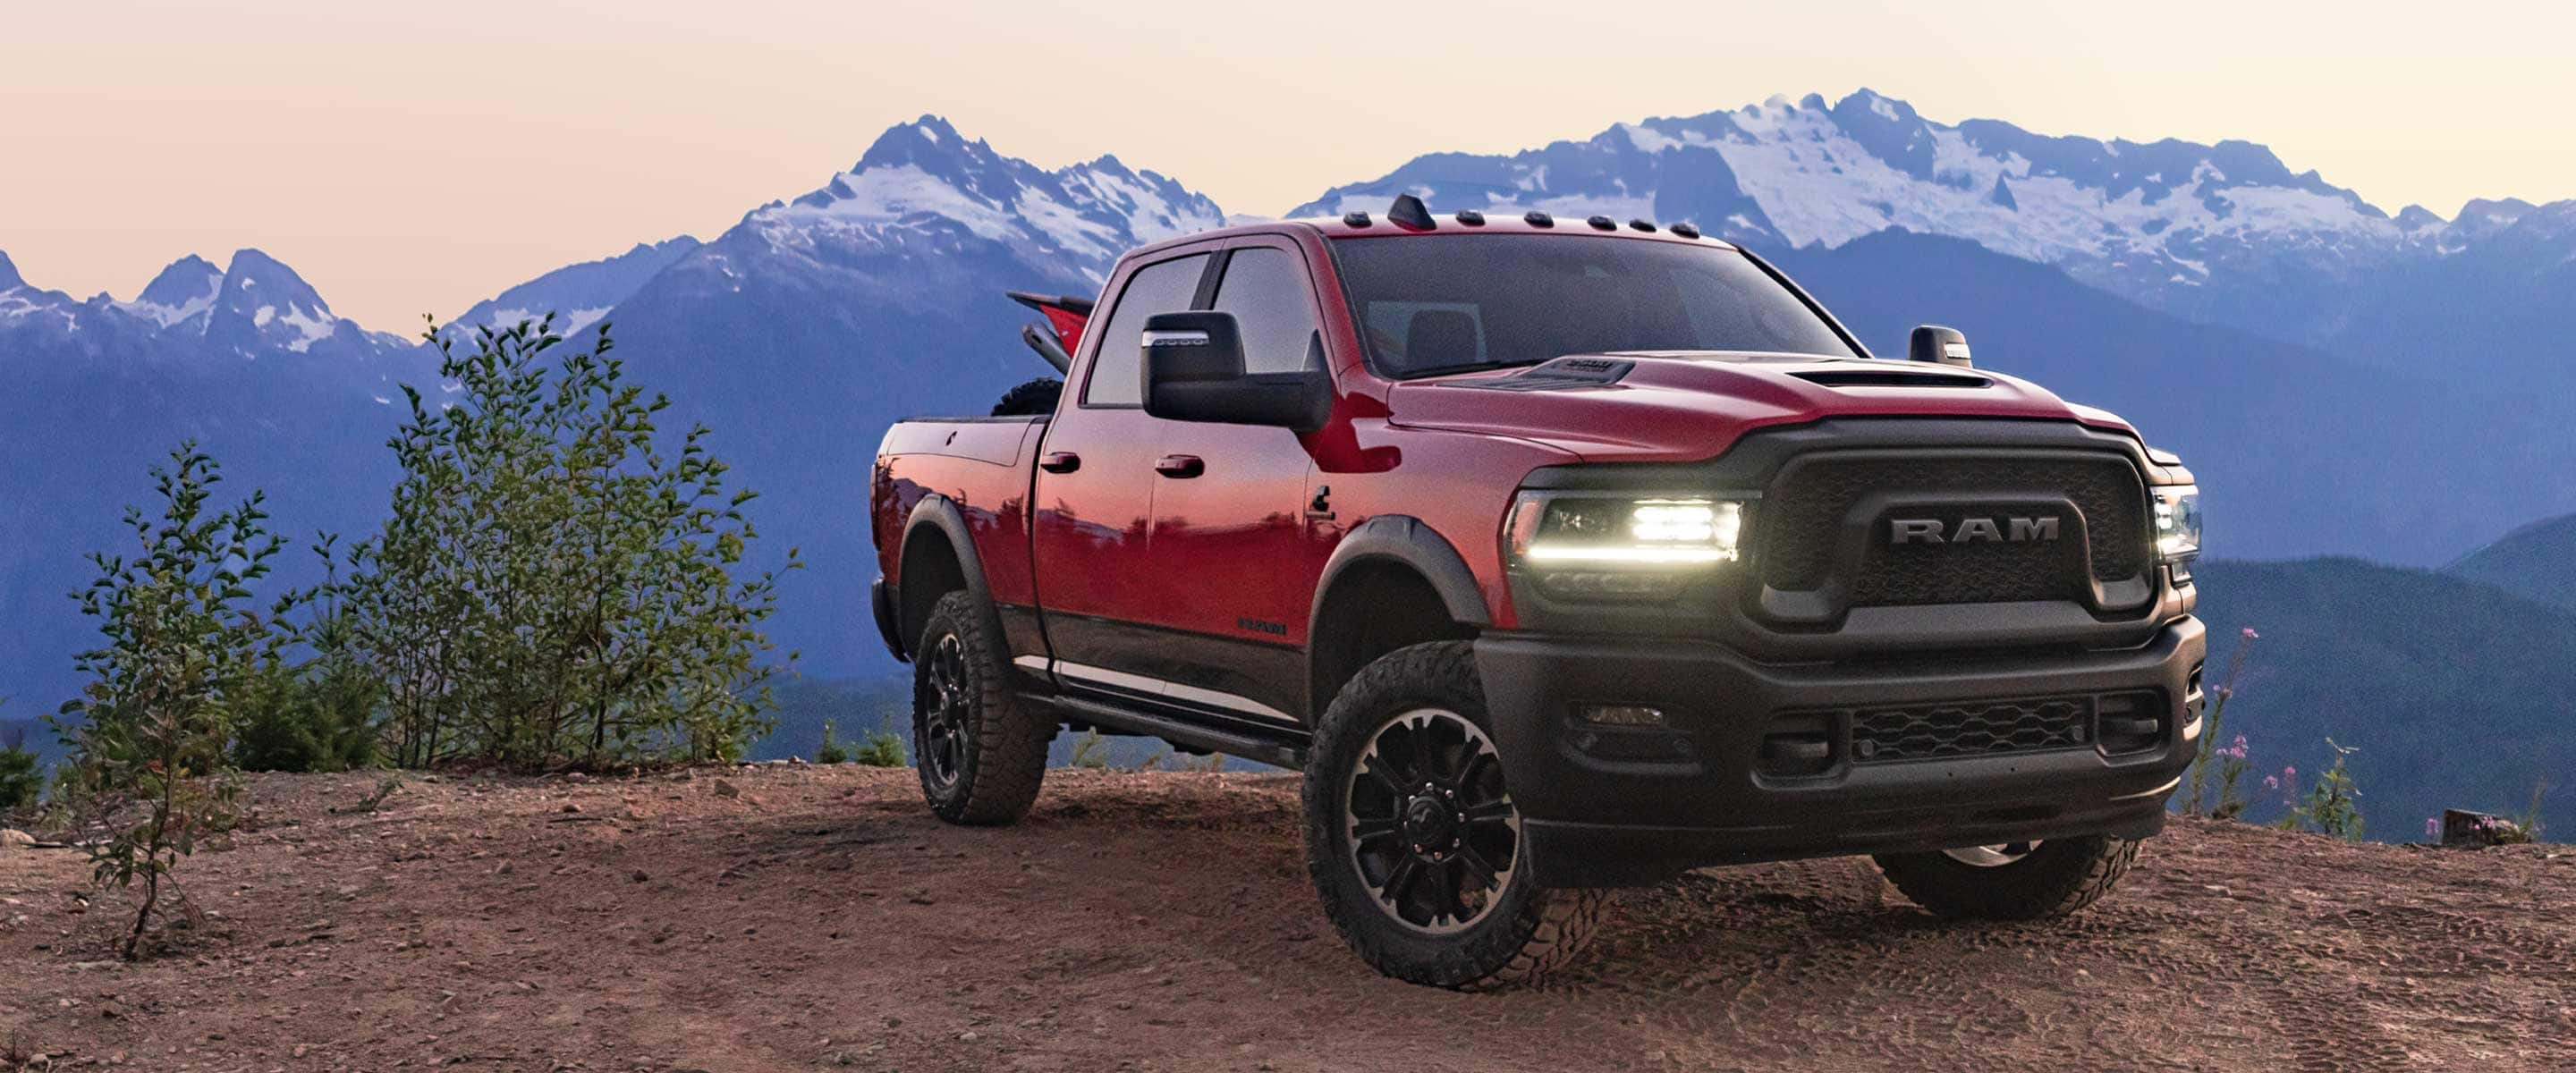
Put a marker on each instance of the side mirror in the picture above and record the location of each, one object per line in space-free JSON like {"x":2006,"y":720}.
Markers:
{"x":1934,"y":343}
{"x":1194,"y":372}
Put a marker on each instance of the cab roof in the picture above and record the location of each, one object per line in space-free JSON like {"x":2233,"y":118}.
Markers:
{"x":1408,"y":215}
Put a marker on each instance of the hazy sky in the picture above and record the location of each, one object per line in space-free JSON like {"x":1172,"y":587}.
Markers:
{"x":415,"y":157}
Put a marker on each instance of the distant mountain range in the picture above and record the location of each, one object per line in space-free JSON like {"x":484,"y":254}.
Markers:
{"x":2345,"y":380}
{"x":2455,"y":693}
{"x":2537,"y":562}
{"x":254,"y":308}
{"x":2219,"y":234}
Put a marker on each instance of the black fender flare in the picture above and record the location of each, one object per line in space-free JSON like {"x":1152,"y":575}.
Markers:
{"x":1412,"y":543}
{"x":938,"y":512}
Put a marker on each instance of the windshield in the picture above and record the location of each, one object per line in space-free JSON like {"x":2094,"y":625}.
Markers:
{"x":1449,"y":303}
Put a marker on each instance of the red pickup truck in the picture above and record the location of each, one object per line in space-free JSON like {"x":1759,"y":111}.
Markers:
{"x":1559,"y":555}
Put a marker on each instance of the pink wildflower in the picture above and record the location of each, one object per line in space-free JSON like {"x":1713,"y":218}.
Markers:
{"x":2250,"y":634}
{"x":2271,"y":782}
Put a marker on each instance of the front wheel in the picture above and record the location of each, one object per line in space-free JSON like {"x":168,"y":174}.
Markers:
{"x":2014,"y":880}
{"x":1412,"y":838}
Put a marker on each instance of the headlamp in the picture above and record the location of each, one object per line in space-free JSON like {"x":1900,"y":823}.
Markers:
{"x":1586,"y":546}
{"x":2177,"y":522}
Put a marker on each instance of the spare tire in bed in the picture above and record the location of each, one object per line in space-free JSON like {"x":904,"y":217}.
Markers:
{"x":1035,"y":398}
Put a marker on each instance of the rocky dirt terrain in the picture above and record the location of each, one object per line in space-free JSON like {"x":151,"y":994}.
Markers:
{"x":793,"y":917}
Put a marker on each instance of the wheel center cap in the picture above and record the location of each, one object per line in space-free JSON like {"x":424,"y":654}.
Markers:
{"x":1427,"y":821}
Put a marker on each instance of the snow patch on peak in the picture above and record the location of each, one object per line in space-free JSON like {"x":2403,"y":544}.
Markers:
{"x":923,"y":187}
{"x":186,"y":289}
{"x":309,"y":329}
{"x":890,"y":195}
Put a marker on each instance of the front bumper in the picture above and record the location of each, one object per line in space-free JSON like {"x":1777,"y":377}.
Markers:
{"x":1605,"y":806}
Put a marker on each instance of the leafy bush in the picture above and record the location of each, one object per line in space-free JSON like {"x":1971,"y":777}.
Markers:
{"x":830,"y":751}
{"x":883,"y":748}
{"x":2331,"y":807}
{"x":20,"y":781}
{"x":323,"y":714}
{"x":148,"y":734}
{"x":554,"y":586}
{"x":1089,"y":751}
{"x":308,"y":718}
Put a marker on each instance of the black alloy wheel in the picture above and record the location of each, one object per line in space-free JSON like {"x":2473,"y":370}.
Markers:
{"x":1428,"y":824}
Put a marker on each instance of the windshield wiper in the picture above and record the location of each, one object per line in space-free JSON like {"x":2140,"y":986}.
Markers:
{"x":1464,"y":367}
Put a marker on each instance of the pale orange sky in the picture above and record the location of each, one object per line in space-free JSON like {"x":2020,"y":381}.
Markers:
{"x":412,"y":158}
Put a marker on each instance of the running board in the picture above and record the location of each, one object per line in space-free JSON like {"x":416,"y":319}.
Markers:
{"x":1281,"y":750}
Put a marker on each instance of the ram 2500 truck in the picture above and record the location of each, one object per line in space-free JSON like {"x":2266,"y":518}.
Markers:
{"x":1559,"y":555}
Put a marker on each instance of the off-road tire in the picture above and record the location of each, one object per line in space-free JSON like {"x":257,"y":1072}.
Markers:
{"x":2059,"y":877}
{"x":1035,"y":398}
{"x":1529,"y":932}
{"x":1002,"y":750}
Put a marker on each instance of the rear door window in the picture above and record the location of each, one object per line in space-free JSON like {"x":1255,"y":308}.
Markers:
{"x":1117,"y":375}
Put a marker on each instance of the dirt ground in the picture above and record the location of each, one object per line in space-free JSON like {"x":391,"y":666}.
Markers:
{"x":792,"y":917}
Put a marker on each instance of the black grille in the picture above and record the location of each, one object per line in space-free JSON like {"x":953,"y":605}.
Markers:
{"x":1802,"y":517}
{"x":1976,"y":728}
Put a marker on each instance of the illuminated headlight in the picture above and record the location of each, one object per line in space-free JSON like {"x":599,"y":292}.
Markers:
{"x":2177,"y":522}
{"x":1584,"y":546}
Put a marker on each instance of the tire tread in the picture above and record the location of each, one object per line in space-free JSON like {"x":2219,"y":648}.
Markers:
{"x":1001,"y":778}
{"x":1548,"y":930}
{"x":2064,"y":883}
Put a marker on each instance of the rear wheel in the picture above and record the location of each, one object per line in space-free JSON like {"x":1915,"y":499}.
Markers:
{"x":2013,"y":880}
{"x":980,"y":755}
{"x":1412,"y":837}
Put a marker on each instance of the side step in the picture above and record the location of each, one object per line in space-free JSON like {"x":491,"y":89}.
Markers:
{"x":1281,"y":750}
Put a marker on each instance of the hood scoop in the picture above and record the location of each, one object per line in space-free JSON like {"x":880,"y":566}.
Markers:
{"x":1555,"y":374}
{"x":1890,"y":378}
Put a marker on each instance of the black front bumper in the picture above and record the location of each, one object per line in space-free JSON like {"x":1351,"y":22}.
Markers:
{"x":1614,"y":806}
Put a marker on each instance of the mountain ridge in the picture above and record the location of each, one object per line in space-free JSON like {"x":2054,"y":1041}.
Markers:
{"x":2218,"y":233}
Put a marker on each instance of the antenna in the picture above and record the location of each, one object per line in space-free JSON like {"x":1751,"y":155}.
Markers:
{"x":1410,"y":213}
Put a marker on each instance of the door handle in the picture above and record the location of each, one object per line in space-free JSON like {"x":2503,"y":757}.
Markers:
{"x":1060,"y":462}
{"x":1179,"y":466}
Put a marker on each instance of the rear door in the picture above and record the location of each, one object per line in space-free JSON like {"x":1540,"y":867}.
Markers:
{"x":1235,"y":567}
{"x":1091,"y":511}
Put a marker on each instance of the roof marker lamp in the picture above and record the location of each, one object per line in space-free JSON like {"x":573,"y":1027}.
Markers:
{"x":1585,"y":547}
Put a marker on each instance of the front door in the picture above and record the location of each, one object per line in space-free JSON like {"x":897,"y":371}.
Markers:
{"x":1235,"y":567}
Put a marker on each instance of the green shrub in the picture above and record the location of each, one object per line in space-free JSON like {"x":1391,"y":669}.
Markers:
{"x":315,"y":717}
{"x":2332,"y":806}
{"x":149,"y":732}
{"x":20,"y":781}
{"x":556,"y":585}
{"x":883,"y":748}
{"x":1089,"y":751}
{"x":324,"y":714}
{"x":830,"y":752}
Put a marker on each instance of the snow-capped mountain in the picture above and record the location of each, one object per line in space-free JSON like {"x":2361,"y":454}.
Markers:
{"x":581,"y":294}
{"x":923,"y":190}
{"x":2223,"y":233}
{"x":255,"y":309}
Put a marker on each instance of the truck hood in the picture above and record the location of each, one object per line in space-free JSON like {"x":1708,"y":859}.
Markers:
{"x":1670,"y":406}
